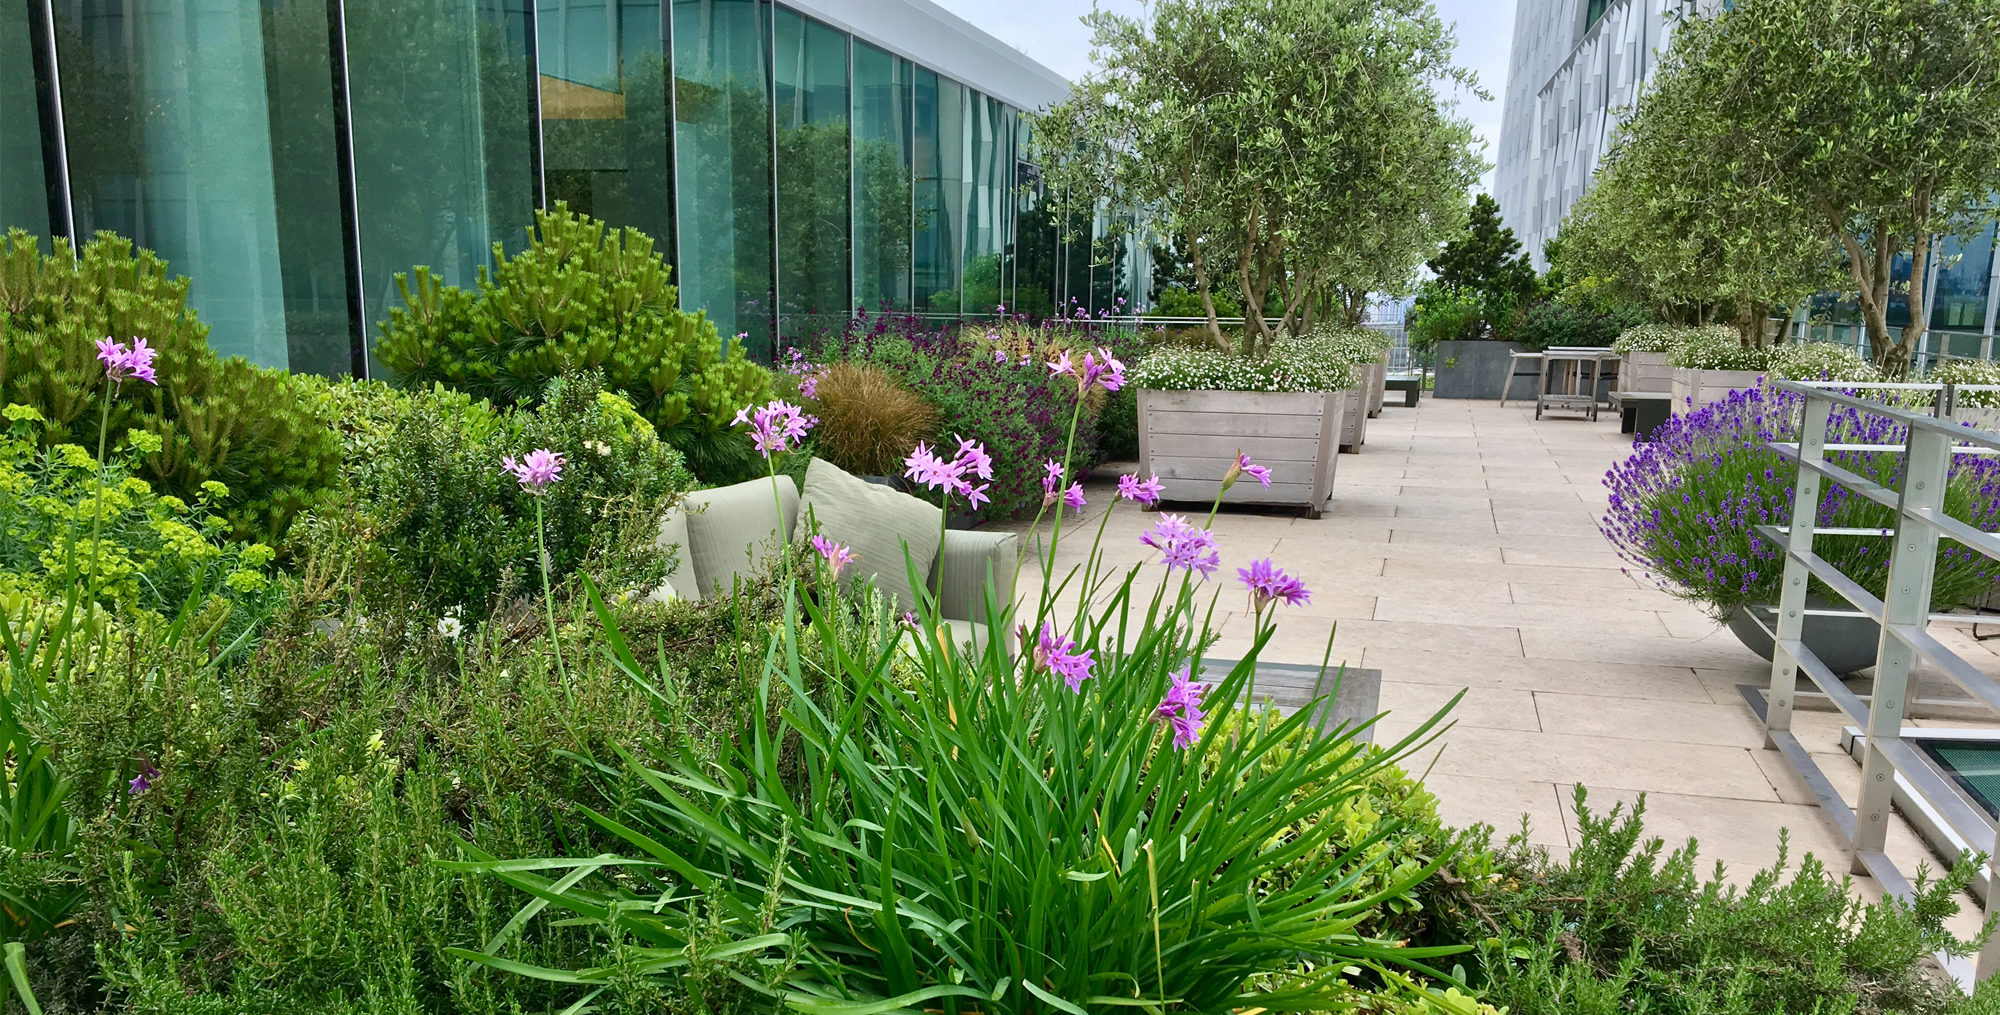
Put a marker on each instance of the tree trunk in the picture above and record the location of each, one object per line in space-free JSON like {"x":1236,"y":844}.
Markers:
{"x":1920,"y":312}
{"x":1201,"y":286}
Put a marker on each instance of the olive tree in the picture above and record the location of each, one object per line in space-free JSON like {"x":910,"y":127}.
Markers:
{"x":1300,"y":149}
{"x":1877,"y":119}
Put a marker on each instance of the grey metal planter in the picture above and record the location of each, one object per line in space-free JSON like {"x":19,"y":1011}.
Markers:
{"x":1189,"y":439}
{"x":1474,"y":369}
{"x":1844,"y":644}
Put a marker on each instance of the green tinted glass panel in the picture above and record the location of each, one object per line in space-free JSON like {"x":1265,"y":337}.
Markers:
{"x":986,"y":163}
{"x":940,"y":199}
{"x":443,"y":161}
{"x":722,"y":164}
{"x":169,"y":143}
{"x":312,"y":259}
{"x":604,"y":112}
{"x":812,"y":108}
{"x":24,"y":197}
{"x":1973,"y":764}
{"x":881,"y":178}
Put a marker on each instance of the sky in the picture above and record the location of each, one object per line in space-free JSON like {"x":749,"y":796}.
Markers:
{"x":1049,"y":31}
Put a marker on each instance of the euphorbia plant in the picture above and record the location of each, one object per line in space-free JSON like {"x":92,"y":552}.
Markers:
{"x":1023,"y":825}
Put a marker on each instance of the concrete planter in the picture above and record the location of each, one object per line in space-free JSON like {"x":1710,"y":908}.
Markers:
{"x":1645,"y":371}
{"x":1378,"y":382}
{"x":1190,"y":438}
{"x":1354,"y":417}
{"x":1695,"y":388}
{"x":1844,"y":644}
{"x":1475,"y":369}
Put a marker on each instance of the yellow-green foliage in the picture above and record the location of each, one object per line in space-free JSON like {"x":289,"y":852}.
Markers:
{"x":217,"y":420}
{"x":145,"y":553}
{"x":580,"y":297}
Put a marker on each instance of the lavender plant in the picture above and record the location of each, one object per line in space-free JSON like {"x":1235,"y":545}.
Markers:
{"x":1684,"y":508}
{"x":1053,"y":825}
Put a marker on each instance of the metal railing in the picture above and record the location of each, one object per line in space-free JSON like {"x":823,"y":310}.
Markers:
{"x":1904,"y":614}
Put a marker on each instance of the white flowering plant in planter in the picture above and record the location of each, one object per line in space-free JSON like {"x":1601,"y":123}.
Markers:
{"x":1315,"y":363}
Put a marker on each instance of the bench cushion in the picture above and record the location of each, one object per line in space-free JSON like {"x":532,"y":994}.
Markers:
{"x":736,"y":530}
{"x":877,"y":523}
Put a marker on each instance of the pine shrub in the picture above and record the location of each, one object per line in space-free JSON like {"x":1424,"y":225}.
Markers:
{"x":218,"y":420}
{"x":581,"y":297}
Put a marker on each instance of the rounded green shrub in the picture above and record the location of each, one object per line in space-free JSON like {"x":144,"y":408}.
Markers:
{"x":581,"y":297}
{"x":218,"y":420}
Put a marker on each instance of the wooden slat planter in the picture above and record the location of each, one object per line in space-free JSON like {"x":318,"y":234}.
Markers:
{"x":1354,"y":418}
{"x":1190,"y":438}
{"x":1645,"y":371}
{"x":1378,"y":382}
{"x":1693,"y":389}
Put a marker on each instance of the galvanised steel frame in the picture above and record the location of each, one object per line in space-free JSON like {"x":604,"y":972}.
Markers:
{"x":1904,"y":615}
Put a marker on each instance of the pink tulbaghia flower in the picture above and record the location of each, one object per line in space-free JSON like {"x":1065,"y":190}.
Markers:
{"x":1145,"y":492}
{"x":776,"y":426}
{"x":537,"y":470}
{"x":837,"y":555}
{"x":1243,"y":466}
{"x":1183,"y":545}
{"x":122,"y":363}
{"x":1000,"y":357}
{"x":809,"y":386}
{"x":1055,"y":653}
{"x":1100,"y":370}
{"x":924,"y":467}
{"x":1051,"y":481}
{"x":1269,"y":584}
{"x":1061,"y":365}
{"x":1181,"y":709}
{"x":1073,"y":497}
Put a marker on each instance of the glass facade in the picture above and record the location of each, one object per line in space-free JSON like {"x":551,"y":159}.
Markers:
{"x":882,"y":195}
{"x":813,"y":167}
{"x":297,"y":159}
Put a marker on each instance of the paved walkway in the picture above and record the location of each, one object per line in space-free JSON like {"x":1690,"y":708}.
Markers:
{"x":1462,"y":552}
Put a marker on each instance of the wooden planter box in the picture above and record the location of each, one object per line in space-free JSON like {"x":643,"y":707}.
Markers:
{"x":1476,"y":369}
{"x":1645,"y":371}
{"x":1978,"y":416}
{"x":1354,"y":418}
{"x":1378,"y":382}
{"x":1693,"y":389}
{"x":1190,"y":438}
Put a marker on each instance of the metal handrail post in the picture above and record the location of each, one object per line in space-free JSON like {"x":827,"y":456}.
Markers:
{"x":1906,"y":601}
{"x":1792,"y":599}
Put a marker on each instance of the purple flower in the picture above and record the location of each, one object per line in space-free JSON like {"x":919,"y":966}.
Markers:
{"x":1147,"y":492}
{"x":1000,"y":357}
{"x":122,"y":364}
{"x":1100,"y":370}
{"x":1181,"y":709}
{"x":926,"y":468}
{"x":1055,"y":653}
{"x":1073,"y":497}
{"x":536,"y":470}
{"x":1243,"y":466}
{"x":1061,"y":365}
{"x":809,"y":386}
{"x":775,"y":427}
{"x":837,"y":555}
{"x":1268,"y":584}
{"x":144,"y":780}
{"x":1183,"y":545}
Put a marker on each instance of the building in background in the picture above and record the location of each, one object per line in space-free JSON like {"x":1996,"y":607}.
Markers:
{"x":793,"y":161}
{"x":1577,"y":65}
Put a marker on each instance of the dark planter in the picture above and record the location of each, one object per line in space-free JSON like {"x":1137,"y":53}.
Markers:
{"x":1844,"y":644}
{"x":1477,"y":370}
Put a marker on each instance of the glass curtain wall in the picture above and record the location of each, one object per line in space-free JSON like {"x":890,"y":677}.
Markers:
{"x":320,"y":335}
{"x":443,"y":139}
{"x":882,"y":194}
{"x":722,"y":164}
{"x":603,"y":86}
{"x":940,"y":196}
{"x":169,"y":144}
{"x":24,"y":195}
{"x":812,"y":107}
{"x":987,"y":170}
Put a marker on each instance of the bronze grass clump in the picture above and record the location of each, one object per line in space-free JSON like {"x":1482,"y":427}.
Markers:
{"x":868,"y":420}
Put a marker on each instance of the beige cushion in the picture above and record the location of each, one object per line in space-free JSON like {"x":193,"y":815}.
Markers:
{"x":876,"y":522}
{"x":735,"y":530}
{"x":673,"y":538}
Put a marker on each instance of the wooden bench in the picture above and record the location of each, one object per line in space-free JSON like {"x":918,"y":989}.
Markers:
{"x":1411,"y":385}
{"x":1639,"y":412}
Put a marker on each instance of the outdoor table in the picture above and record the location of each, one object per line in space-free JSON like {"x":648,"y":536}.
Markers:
{"x":1579,"y":396}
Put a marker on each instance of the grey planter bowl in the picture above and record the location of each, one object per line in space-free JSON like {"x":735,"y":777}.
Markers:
{"x":1844,"y":644}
